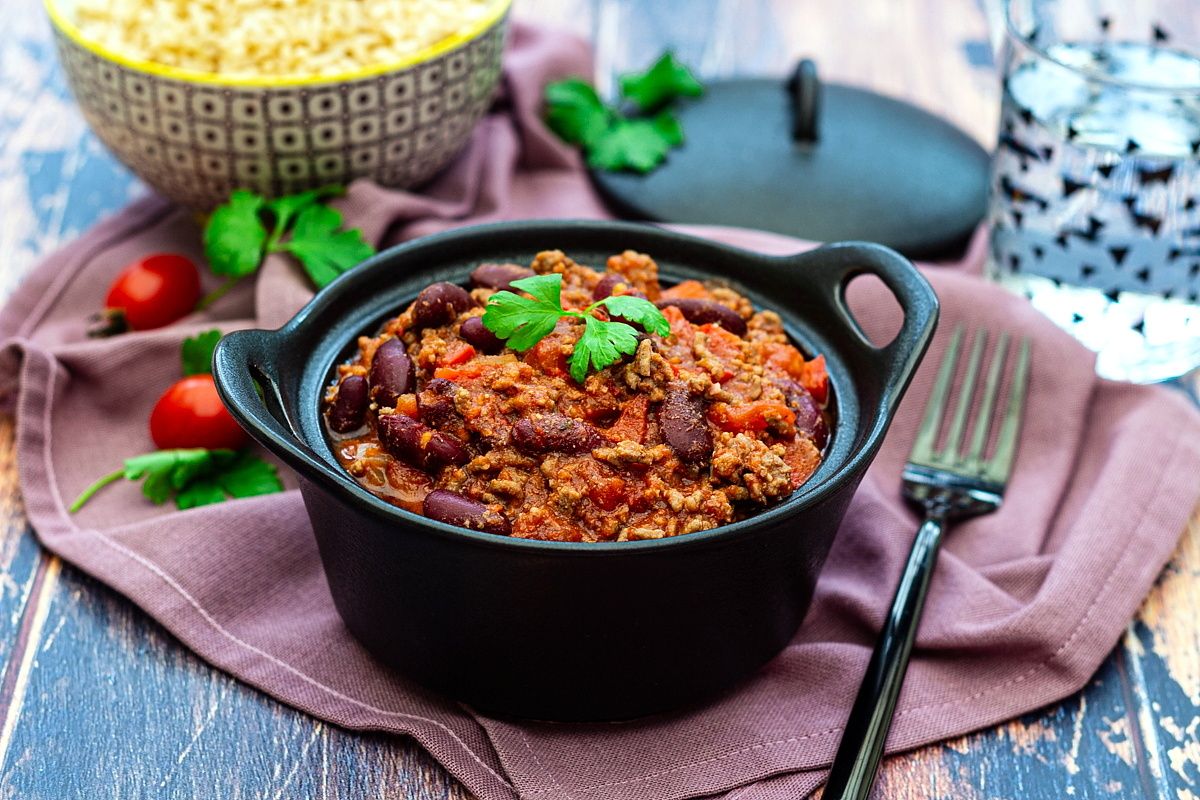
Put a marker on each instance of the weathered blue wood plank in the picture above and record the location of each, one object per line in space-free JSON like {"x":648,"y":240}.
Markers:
{"x":115,"y":707}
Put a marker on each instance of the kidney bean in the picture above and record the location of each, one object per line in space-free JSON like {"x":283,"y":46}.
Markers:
{"x":452,"y":508}
{"x":436,"y":401}
{"x":476,"y":334}
{"x":555,"y":433}
{"x":392,"y":373}
{"x":809,"y":418}
{"x":414,"y":442}
{"x":499,"y":276}
{"x":444,"y":450}
{"x":438,"y":304}
{"x":609,"y":282}
{"x":701,"y":312}
{"x":349,"y":408}
{"x":684,"y":429}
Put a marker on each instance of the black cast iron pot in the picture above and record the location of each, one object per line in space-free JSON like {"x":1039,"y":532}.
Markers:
{"x":564,"y":630}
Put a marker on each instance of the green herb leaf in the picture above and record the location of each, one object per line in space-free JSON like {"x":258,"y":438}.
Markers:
{"x":168,"y":471}
{"x":234,"y":237}
{"x":547,"y":288}
{"x":197,"y":352}
{"x":575,"y":112}
{"x":668,"y":127}
{"x":525,"y":321}
{"x":286,"y":207}
{"x":249,"y":476}
{"x":194,"y":477}
{"x":602,"y":343}
{"x":639,"y":145}
{"x":201,"y":492}
{"x":636,"y":309}
{"x":323,"y":249}
{"x":666,"y":80}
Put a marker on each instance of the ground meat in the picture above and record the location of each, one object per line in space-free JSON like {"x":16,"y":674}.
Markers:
{"x":624,"y":480}
{"x":749,"y":464}
{"x":648,"y":372}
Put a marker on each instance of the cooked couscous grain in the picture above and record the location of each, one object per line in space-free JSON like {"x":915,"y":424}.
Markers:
{"x":274,"y":38}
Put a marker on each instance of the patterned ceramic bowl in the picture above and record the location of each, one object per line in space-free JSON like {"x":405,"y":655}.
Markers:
{"x":196,"y":136}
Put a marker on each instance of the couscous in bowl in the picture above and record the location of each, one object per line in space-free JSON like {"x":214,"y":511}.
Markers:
{"x":194,"y":135}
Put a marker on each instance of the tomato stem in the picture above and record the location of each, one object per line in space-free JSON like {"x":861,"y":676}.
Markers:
{"x":115,"y":475}
{"x":217,"y":293}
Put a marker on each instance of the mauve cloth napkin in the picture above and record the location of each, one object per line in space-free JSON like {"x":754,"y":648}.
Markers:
{"x":1024,"y":607}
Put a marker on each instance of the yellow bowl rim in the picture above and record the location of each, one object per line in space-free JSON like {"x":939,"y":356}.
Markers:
{"x":68,"y":28}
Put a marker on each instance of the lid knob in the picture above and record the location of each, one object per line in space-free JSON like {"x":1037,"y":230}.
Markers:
{"x":805,"y":91}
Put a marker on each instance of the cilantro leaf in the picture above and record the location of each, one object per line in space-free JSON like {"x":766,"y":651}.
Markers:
{"x":664,"y":81}
{"x":525,"y":321}
{"x":575,"y":112}
{"x":249,"y":476}
{"x":194,"y":477}
{"x":200,"y":492}
{"x":610,"y":139}
{"x":635,"y":309}
{"x":197,"y":352}
{"x":286,"y":207}
{"x":323,"y":249}
{"x":234,"y":237}
{"x":667,"y":126}
{"x":168,"y":471}
{"x":633,"y":144}
{"x":602,"y":343}
{"x":547,"y":288}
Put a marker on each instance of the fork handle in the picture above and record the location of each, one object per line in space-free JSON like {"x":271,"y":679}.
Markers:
{"x":866,"y":730}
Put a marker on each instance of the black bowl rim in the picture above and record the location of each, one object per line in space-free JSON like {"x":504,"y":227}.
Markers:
{"x":337,"y":482}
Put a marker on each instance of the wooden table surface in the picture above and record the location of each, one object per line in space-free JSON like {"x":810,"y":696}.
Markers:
{"x":98,"y":701}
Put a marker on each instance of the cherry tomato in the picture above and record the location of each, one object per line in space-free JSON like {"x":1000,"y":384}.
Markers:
{"x":155,"y":291}
{"x":191,"y":414}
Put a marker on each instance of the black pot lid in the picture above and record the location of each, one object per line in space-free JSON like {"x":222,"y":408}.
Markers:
{"x":821,"y":162}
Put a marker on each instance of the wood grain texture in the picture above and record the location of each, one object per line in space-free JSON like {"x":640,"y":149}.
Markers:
{"x":98,"y":701}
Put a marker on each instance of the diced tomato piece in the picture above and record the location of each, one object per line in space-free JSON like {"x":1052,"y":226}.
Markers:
{"x":680,"y":327}
{"x":465,"y":372}
{"x":816,"y":379}
{"x":631,"y":425}
{"x":459,"y":354}
{"x":750,"y":417}
{"x":803,"y":457}
{"x":694,"y":290}
{"x":784,"y":358}
{"x":407,"y":404}
{"x":547,"y":356}
{"x":608,"y":493}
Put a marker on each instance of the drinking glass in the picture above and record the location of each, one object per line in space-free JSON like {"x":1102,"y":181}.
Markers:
{"x":1095,"y":207}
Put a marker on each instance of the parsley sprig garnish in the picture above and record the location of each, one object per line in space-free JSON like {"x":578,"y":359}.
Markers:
{"x":612,"y":139}
{"x":194,"y":477}
{"x":240,"y":234}
{"x":525,"y":321}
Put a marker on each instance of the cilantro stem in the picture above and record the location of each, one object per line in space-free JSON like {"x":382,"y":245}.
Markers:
{"x":217,"y":293}
{"x":115,"y":475}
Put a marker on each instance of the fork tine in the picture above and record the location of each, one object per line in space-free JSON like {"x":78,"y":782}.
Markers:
{"x":922,"y":449}
{"x":983,"y":420}
{"x":950,"y":454}
{"x":1000,"y":465}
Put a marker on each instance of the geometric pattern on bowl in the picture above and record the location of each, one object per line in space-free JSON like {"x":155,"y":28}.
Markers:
{"x":196,"y":141}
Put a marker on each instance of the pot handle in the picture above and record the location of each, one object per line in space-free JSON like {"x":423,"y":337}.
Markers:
{"x":833,"y":267}
{"x":247,"y":380}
